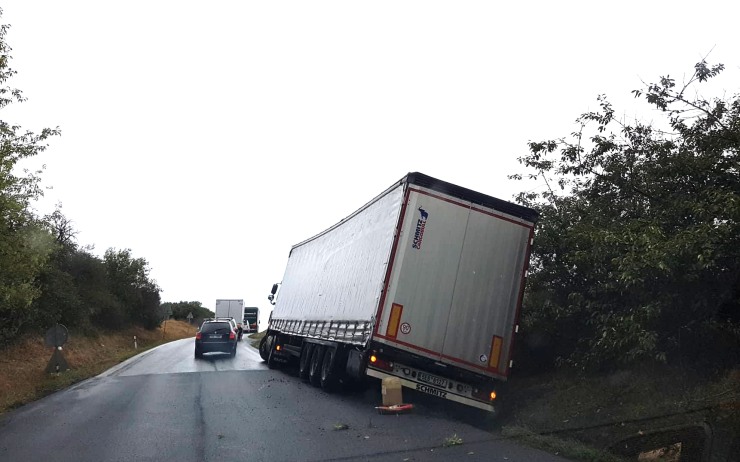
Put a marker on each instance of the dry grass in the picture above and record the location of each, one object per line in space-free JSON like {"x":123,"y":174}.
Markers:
{"x":22,"y":376}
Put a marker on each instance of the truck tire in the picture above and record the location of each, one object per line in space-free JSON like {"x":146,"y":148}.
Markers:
{"x":304,"y":365}
{"x":329,"y":374}
{"x":314,"y":373}
{"x":271,"y":363}
{"x":264,"y":352}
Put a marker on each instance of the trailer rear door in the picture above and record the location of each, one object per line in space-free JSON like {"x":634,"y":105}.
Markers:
{"x":487,"y":292}
{"x":455,"y":283}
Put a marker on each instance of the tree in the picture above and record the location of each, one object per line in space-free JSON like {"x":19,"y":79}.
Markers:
{"x":63,"y":280}
{"x":637,"y":254}
{"x":181,"y":309}
{"x":24,"y":245}
{"x":130,"y":283}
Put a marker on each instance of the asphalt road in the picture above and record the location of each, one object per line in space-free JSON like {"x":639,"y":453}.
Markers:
{"x":166,"y":405}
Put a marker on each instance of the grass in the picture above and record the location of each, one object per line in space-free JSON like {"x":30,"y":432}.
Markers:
{"x":256,"y":337}
{"x":22,"y":376}
{"x":578,"y":416}
{"x":567,"y":448}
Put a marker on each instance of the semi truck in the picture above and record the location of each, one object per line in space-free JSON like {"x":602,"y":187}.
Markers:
{"x":232,"y":308}
{"x":251,"y":319}
{"x":423,"y":283}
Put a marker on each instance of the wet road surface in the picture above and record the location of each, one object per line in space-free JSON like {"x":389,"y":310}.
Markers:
{"x":166,"y":405}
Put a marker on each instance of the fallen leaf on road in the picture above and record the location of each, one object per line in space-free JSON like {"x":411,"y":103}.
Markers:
{"x":341,"y":426}
{"x":453,"y":440}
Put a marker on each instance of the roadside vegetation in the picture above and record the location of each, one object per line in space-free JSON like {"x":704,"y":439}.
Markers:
{"x":632,"y":305}
{"x":23,"y":378}
{"x":254,"y":339}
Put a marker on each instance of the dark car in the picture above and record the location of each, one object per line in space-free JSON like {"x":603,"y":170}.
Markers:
{"x":215,"y":335}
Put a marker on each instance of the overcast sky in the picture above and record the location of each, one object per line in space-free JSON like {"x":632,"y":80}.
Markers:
{"x":209,"y":137}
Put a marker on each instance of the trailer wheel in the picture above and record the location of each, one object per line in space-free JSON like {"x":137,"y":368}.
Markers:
{"x":304,"y":366}
{"x":329,"y":376}
{"x":314,"y":374}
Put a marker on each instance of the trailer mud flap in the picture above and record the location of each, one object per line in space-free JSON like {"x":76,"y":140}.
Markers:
{"x":354,"y":364}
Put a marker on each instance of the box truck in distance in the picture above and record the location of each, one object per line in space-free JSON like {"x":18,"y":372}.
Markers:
{"x":251,"y":319}
{"x":423,"y":283}
{"x":232,"y":308}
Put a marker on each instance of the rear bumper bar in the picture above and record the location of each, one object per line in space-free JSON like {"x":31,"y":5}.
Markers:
{"x":408,"y":382}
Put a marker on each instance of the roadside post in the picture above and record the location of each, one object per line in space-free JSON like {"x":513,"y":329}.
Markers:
{"x":190,"y":317}
{"x":56,"y":337}
{"x":166,"y":317}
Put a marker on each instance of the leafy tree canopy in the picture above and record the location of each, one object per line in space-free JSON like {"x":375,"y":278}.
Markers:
{"x":637,"y":255}
{"x":180,"y":310}
{"x":24,"y":245}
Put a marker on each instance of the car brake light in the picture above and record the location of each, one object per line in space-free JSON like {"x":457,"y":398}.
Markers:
{"x":231,"y":335}
{"x":198,"y":336}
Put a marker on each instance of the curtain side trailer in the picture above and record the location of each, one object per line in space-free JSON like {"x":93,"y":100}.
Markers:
{"x":424,"y":283}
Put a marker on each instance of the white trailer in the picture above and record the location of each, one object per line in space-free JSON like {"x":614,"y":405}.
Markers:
{"x":423,"y":283}
{"x":231,"y":308}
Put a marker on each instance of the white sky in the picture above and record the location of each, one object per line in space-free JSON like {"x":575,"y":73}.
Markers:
{"x":209,"y":137}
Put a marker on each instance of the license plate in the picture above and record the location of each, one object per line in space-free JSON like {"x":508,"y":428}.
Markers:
{"x":215,"y":336}
{"x":432,"y":379}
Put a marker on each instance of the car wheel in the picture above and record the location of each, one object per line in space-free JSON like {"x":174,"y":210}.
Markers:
{"x":314,"y":373}
{"x":305,"y":362}
{"x":198,"y":353}
{"x":233,"y":351}
{"x":329,"y":374}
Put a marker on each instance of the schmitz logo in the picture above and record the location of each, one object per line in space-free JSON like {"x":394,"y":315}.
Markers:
{"x":419,"y":234}
{"x":431,"y":390}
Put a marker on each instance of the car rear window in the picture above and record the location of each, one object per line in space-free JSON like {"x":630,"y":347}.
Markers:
{"x":215,"y":328}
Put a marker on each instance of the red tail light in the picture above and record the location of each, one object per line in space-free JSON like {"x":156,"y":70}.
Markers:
{"x":198,"y":336}
{"x":232,"y":336}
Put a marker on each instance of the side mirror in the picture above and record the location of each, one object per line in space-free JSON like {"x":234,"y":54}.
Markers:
{"x":271,"y":297}
{"x":274,"y":289}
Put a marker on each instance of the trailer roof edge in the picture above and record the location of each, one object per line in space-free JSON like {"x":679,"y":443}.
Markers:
{"x":474,"y":197}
